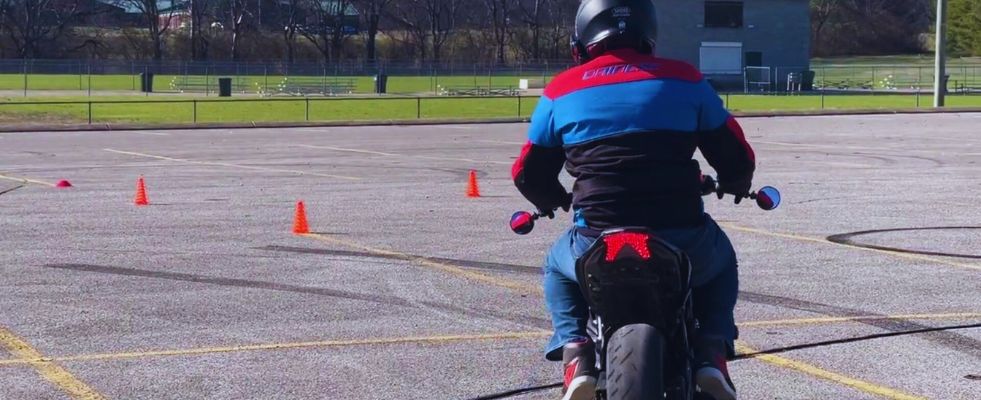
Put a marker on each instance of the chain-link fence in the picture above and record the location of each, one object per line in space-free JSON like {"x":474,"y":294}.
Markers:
{"x":59,"y":77}
{"x":963,"y":77}
{"x":175,"y":110}
{"x":106,"y":77}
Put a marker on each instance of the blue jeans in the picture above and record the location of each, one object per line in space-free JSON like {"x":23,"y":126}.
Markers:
{"x":714,"y":278}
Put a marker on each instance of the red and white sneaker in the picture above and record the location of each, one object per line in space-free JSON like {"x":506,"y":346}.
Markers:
{"x":579,"y":365}
{"x":711,"y":373}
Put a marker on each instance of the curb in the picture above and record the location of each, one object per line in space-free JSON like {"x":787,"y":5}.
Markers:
{"x":871,"y":111}
{"x":101,"y":127}
{"x":423,"y":122}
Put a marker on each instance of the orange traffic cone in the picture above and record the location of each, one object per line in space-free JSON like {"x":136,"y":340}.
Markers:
{"x":300,"y":220}
{"x":141,"y":199}
{"x":473,"y":190}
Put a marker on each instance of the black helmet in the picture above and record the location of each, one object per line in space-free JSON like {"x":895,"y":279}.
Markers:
{"x":603,"y":25}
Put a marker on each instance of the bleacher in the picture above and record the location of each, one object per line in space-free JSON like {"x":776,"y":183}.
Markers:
{"x":478,"y":91}
{"x":314,"y":85}
{"x":195,"y":83}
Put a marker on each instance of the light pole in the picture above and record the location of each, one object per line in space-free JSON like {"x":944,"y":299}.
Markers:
{"x":940,"y":72}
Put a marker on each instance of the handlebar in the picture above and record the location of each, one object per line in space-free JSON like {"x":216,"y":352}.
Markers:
{"x":767,"y":198}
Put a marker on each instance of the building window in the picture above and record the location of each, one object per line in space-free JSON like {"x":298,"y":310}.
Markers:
{"x":723,"y":14}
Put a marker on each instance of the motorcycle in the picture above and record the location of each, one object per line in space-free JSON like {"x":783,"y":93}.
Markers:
{"x":638,"y":288}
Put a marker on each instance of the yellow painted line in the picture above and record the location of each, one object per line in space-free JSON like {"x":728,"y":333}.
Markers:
{"x":49,"y":370}
{"x":832,"y":320}
{"x":437,"y":266}
{"x":521,"y":286}
{"x":821,"y":373}
{"x":25,"y":180}
{"x":230,"y":165}
{"x":916,"y":257}
{"x":469,"y":160}
{"x":285,"y":346}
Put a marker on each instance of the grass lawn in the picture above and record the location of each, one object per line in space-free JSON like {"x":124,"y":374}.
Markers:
{"x":252,"y":83}
{"x":181,"y":110}
{"x":157,"y":110}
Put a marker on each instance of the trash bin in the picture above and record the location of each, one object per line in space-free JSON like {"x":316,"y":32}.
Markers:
{"x":225,"y":87}
{"x":807,"y":83}
{"x":946,"y":81}
{"x":381,"y":83}
{"x":146,"y":82}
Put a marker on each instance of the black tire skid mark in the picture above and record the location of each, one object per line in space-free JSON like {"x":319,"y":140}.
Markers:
{"x":951,"y":340}
{"x":847,"y":239}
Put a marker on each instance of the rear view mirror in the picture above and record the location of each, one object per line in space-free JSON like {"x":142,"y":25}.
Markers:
{"x":768,"y":198}
{"x":522,"y":222}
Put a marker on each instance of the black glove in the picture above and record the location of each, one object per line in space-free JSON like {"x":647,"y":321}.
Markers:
{"x":739,"y":188}
{"x":564,"y":203}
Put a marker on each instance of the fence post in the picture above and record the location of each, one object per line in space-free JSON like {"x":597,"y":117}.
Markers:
{"x":90,"y":78}
{"x":90,"y":112}
{"x":822,"y":99}
{"x":727,"y":99}
{"x":917,"y":97}
{"x":194,"y":105}
{"x":418,"y":107}
{"x":307,"y":108}
{"x":25,"y":77}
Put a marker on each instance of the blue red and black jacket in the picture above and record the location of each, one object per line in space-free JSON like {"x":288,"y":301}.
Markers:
{"x":626,"y":125}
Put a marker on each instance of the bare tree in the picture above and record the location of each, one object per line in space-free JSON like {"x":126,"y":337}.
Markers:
{"x":371,"y":13}
{"x":430,"y":22}
{"x":325,"y":26}
{"x":532,"y":15}
{"x":156,"y":20}
{"x":414,"y":21}
{"x":821,"y":13}
{"x":499,"y":14}
{"x":288,"y":16}
{"x":5,"y":15}
{"x":201,"y":27}
{"x":31,"y":24}
{"x":841,"y":27}
{"x":239,"y":13}
{"x":559,"y":27}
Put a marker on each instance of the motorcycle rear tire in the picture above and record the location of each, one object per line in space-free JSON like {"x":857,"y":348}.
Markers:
{"x":634,"y":363}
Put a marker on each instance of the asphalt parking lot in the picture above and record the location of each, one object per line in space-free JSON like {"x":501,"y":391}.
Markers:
{"x":407,"y":289}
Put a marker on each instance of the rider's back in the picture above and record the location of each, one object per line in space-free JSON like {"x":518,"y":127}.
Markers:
{"x":629,"y":124}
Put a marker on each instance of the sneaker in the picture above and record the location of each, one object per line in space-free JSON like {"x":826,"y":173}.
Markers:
{"x":579,"y":364}
{"x":711,"y":373}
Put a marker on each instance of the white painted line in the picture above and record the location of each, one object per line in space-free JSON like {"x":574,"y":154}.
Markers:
{"x":468,"y":160}
{"x":348,"y":150}
{"x":499,"y":142}
{"x":230,"y":165}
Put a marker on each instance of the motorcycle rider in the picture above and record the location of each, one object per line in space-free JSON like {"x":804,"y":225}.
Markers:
{"x":626,"y":124}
